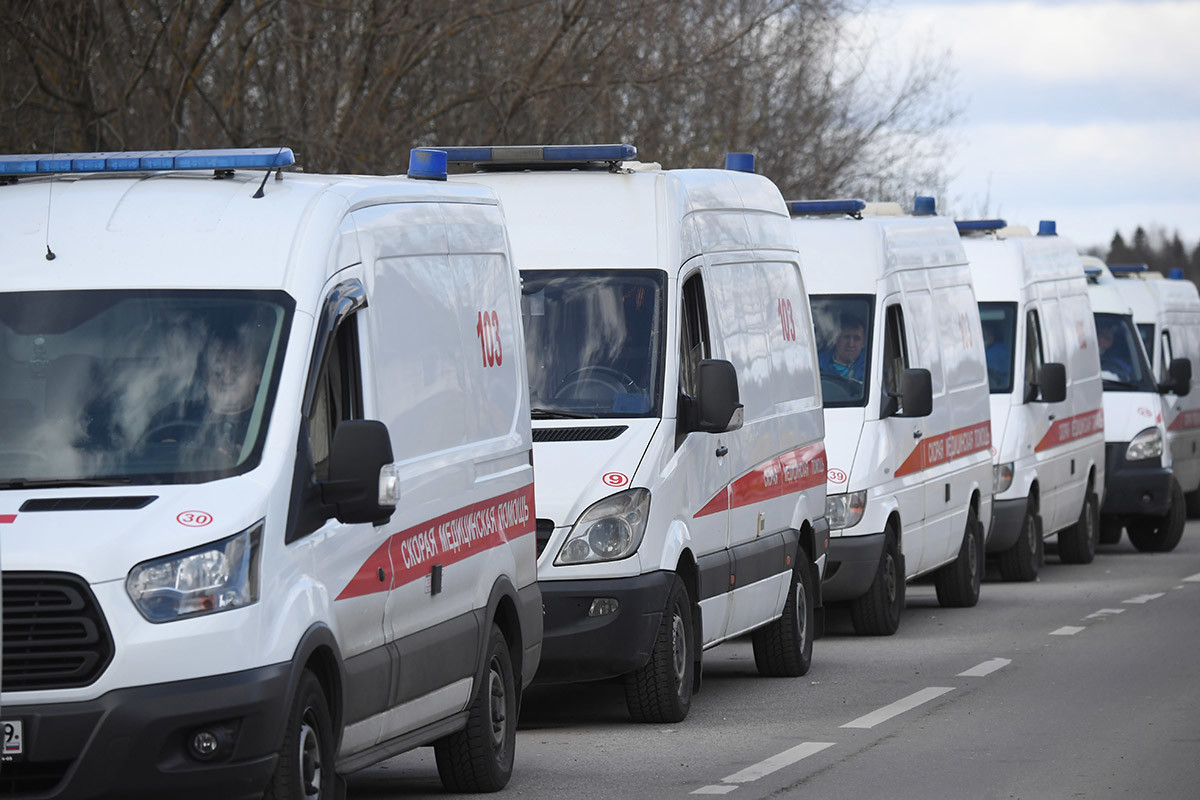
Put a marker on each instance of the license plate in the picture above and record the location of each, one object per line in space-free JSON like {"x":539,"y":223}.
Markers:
{"x":14,"y":745}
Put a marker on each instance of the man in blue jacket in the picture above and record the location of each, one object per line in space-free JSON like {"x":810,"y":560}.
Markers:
{"x":847,"y":356}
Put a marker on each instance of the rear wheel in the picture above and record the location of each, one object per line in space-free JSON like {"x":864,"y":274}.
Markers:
{"x":1193,"y":504}
{"x":783,"y":649}
{"x":304,"y":770}
{"x":661,"y":691}
{"x":1077,"y":544}
{"x":479,"y":758}
{"x":958,"y":582}
{"x":1023,"y":560}
{"x":1161,"y":534}
{"x":877,"y":613}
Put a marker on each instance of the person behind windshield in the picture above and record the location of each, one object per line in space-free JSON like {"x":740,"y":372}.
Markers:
{"x":847,"y":356}
{"x":1111,"y":360}
{"x":996,"y":354}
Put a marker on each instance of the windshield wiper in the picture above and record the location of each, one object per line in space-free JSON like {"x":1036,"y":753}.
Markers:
{"x":550,"y":413}
{"x":25,"y":483}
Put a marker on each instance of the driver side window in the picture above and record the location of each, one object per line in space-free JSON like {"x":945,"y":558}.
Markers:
{"x":1033,"y":348}
{"x":895,"y":351}
{"x":338,"y":395}
{"x":693,"y":334}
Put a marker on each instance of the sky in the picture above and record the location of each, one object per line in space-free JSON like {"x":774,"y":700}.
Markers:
{"x":1087,"y":113}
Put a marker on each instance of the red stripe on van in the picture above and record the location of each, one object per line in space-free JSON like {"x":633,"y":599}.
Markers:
{"x":947,"y":447}
{"x":1072,"y":428}
{"x":787,"y":473}
{"x":7,"y":518}
{"x":445,"y":540}
{"x":1185,"y":420}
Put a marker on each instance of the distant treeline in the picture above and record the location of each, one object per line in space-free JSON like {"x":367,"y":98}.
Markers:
{"x":1158,"y":250}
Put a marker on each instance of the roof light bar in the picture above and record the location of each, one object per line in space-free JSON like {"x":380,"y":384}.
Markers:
{"x":1093,"y":272}
{"x":739,"y":162}
{"x":1127,"y":269}
{"x":1176,"y":274}
{"x":427,"y":164}
{"x":146,"y":161}
{"x":811,"y":207}
{"x":970,"y":225}
{"x":1047,"y":227}
{"x":924,"y":206}
{"x":539,"y":154}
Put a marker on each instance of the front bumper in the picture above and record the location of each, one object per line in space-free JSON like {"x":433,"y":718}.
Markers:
{"x":132,"y":743}
{"x":853,"y":562}
{"x":579,"y":647}
{"x":1007,"y":516}
{"x":1134,"y":488}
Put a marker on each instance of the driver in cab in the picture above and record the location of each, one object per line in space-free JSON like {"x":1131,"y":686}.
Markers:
{"x":847,"y":355}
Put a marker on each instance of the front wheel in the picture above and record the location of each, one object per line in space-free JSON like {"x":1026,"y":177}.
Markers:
{"x":1161,"y":535}
{"x":1077,"y":544}
{"x":304,"y":770}
{"x":661,"y":691}
{"x":1193,"y":504}
{"x":479,"y":758}
{"x":783,"y":649}
{"x":1023,"y":560}
{"x":958,"y":582}
{"x":877,"y":613}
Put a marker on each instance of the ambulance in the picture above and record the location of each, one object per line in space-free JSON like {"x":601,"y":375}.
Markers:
{"x":266,"y":493}
{"x":900,"y":355}
{"x":1046,"y":394}
{"x":678,"y":434}
{"x":1141,"y":494}
{"x":1167,"y":314}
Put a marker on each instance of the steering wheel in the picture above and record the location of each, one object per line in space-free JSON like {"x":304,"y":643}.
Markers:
{"x":848,"y":387}
{"x":177,"y":431}
{"x":595,"y":383}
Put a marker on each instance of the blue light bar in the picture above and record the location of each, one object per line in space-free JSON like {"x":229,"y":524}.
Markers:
{"x":811,"y":207}
{"x":1176,"y":274}
{"x":1127,"y":269}
{"x":147,"y":161}
{"x":924,"y":206}
{"x":539,"y":154}
{"x":1047,"y":227}
{"x":1093,"y":272}
{"x":427,"y":164}
{"x":968,"y":225}
{"x":739,"y":162}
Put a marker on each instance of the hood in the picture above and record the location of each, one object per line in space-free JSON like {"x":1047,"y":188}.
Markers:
{"x":1126,"y":414}
{"x":585,"y":463}
{"x":100,"y":534}
{"x":843,"y":429}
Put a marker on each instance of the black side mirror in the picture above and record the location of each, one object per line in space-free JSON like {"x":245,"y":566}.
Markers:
{"x":360,"y":449}
{"x":1179,"y":378}
{"x":717,"y":404}
{"x":1052,"y":383}
{"x":916,"y":393}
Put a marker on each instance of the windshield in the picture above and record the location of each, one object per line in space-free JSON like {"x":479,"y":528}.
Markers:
{"x":1146,"y":331}
{"x":843,"y":325}
{"x":1123,"y":364}
{"x":114,"y":387}
{"x":594,"y":341}
{"x":999,"y":321}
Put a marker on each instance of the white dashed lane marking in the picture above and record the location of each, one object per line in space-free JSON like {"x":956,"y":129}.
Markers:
{"x":899,"y":707}
{"x":1067,"y":630}
{"x":715,"y":789}
{"x":1192,"y":578}
{"x":986,"y":668}
{"x":1105,"y":612}
{"x":765,"y":767}
{"x":1143,"y":598}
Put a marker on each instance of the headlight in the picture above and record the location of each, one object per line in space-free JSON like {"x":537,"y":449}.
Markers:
{"x":1147,"y":444}
{"x":211,"y":578}
{"x":845,"y":510}
{"x":1002,"y":475}
{"x":609,"y":530}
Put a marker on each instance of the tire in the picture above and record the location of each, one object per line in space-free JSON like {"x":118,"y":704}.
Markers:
{"x":958,"y":582}
{"x":1024,"y":559}
{"x":1162,"y":534}
{"x":479,"y":758}
{"x":1077,"y":544}
{"x":304,"y":770}
{"x":877,"y":613}
{"x":661,"y":691}
{"x":783,"y":648}
{"x":1110,"y":529}
{"x":1193,"y":504}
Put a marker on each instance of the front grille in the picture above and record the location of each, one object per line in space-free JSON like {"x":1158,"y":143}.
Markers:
{"x":55,"y":636}
{"x":545,"y":527}
{"x":21,"y":778}
{"x":594,"y":434}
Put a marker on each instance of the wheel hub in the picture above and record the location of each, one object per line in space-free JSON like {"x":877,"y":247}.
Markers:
{"x":678,"y":651}
{"x":497,"y":707}
{"x":310,"y":759}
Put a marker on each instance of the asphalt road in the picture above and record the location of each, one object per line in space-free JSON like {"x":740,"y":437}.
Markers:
{"x":1083,"y":684}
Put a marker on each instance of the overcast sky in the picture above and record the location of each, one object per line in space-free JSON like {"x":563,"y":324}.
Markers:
{"x":1083,"y":112}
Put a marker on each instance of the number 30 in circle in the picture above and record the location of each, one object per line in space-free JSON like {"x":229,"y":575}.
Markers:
{"x":487,"y":328}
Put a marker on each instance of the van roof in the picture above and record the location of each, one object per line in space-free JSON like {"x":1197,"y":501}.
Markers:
{"x":1102,"y":293}
{"x":174,"y":229}
{"x":1001,"y":265}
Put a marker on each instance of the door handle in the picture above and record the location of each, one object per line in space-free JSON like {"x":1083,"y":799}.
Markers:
{"x":917,"y":434}
{"x":1051,"y":418}
{"x":722,"y":451}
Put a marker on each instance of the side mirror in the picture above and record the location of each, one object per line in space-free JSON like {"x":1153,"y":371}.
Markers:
{"x":1052,"y":383}
{"x":916,"y":393}
{"x":717,"y":406}
{"x":361,"y":448}
{"x":1179,"y":378}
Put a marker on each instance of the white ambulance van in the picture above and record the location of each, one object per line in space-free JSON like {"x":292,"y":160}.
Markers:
{"x":906,"y":405}
{"x":1047,"y":394}
{"x":1140,"y":493}
{"x":677,"y":416}
{"x":1167,"y":314}
{"x":266,"y":495}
